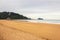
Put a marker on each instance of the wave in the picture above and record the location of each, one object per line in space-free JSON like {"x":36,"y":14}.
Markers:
{"x":43,"y":21}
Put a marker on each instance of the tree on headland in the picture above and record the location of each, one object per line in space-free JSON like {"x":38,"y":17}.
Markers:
{"x":16,"y":16}
{"x":3,"y":15}
{"x":11,"y":15}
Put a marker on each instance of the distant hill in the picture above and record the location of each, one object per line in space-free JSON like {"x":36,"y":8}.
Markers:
{"x":11,"y":15}
{"x":40,"y":19}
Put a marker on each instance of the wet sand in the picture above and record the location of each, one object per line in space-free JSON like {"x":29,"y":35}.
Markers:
{"x":20,"y":30}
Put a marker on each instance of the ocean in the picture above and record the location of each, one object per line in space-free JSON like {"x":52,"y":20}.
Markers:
{"x":43,"y":21}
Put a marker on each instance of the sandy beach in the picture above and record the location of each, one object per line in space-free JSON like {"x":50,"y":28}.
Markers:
{"x":21,"y":30}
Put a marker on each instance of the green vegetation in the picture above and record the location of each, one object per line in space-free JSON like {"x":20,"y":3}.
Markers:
{"x":11,"y":15}
{"x":40,"y":18}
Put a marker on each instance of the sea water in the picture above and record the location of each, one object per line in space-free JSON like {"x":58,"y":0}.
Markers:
{"x":43,"y":21}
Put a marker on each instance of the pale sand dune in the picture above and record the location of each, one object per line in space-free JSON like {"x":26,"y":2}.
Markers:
{"x":14,"y":30}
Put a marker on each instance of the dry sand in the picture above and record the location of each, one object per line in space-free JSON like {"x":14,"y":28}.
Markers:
{"x":20,"y":30}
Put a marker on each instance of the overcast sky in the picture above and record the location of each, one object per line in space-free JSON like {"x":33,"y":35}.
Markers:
{"x":49,"y":9}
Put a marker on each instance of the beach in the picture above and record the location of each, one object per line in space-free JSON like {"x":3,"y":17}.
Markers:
{"x":23,"y":30}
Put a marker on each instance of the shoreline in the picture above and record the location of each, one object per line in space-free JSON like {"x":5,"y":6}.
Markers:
{"x":34,"y":21}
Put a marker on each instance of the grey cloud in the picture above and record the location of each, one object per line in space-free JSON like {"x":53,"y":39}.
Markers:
{"x":54,"y":6}
{"x":30,"y":5}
